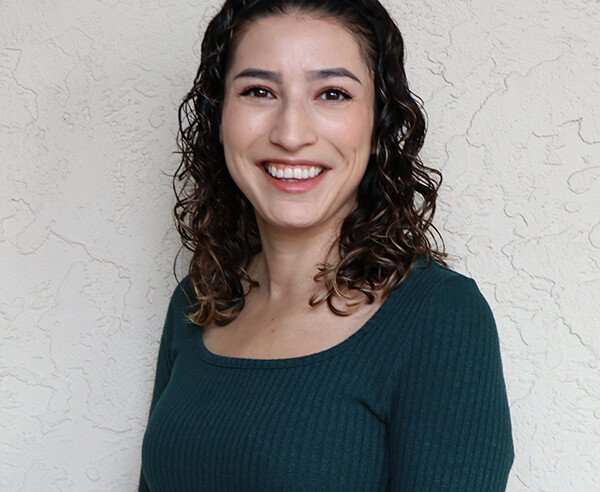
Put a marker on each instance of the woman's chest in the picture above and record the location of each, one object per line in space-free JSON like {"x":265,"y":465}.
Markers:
{"x":286,"y":333}
{"x":309,"y":428}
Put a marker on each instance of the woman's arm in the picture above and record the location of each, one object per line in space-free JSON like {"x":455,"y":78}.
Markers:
{"x":451,"y":428}
{"x":163,"y":367}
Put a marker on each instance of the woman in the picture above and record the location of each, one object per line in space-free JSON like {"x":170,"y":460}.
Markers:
{"x":318,"y":344}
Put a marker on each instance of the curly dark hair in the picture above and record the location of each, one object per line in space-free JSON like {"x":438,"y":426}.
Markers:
{"x":391,"y":226}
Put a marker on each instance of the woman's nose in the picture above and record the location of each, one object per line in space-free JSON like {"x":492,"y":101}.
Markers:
{"x":293,"y":127}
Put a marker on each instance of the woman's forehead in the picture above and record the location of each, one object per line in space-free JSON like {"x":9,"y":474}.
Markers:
{"x":298,"y":41}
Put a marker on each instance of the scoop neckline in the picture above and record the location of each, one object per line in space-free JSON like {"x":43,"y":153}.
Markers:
{"x":223,"y":360}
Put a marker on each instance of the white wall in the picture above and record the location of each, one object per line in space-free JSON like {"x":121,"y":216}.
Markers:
{"x":88,"y":98}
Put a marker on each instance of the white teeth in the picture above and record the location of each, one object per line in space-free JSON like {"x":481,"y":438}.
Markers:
{"x":297,"y":173}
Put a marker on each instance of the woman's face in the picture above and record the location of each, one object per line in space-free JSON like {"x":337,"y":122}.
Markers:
{"x":298,"y":120}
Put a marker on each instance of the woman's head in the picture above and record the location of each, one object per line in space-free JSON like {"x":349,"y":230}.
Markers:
{"x":377,"y":35}
{"x":297,"y":121}
{"x":379,"y":240}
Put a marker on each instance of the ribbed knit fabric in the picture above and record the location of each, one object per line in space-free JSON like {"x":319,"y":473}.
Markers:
{"x":414,"y":401}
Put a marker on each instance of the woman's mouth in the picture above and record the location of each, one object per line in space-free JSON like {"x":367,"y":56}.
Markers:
{"x":293,"y":177}
{"x":296,"y":172}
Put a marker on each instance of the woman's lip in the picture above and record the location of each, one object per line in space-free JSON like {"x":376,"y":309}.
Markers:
{"x":292,"y":163}
{"x":290,"y":185}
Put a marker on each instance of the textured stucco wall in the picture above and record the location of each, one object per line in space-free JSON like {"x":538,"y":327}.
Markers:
{"x":88,"y":97}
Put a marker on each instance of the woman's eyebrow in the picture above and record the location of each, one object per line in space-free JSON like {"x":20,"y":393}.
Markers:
{"x":259,"y":73}
{"x":323,"y":73}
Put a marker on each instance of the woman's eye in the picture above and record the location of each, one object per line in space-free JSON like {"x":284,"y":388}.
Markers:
{"x":257,"y":92}
{"x":335,"y":95}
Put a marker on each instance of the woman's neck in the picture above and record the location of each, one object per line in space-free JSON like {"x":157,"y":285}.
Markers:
{"x":288,"y":262}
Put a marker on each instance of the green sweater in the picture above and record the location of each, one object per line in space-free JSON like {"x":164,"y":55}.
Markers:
{"x":414,"y":401}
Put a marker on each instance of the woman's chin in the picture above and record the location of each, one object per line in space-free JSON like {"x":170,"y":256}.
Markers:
{"x":293,"y":221}
{"x":292,"y":225}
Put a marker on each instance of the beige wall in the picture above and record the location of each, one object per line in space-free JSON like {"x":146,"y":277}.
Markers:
{"x":88,"y":98}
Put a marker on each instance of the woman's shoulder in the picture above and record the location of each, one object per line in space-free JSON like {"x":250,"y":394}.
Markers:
{"x":178,"y":325}
{"x":435,"y":298}
{"x":182,"y":295}
{"x":430,"y":271}
{"x":429,"y":280}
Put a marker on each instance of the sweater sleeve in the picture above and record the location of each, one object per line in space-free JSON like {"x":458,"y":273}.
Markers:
{"x":450,"y":427}
{"x":163,"y":367}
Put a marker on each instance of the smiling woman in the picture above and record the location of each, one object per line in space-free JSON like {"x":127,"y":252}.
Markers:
{"x":318,"y":343}
{"x":289,"y":110}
